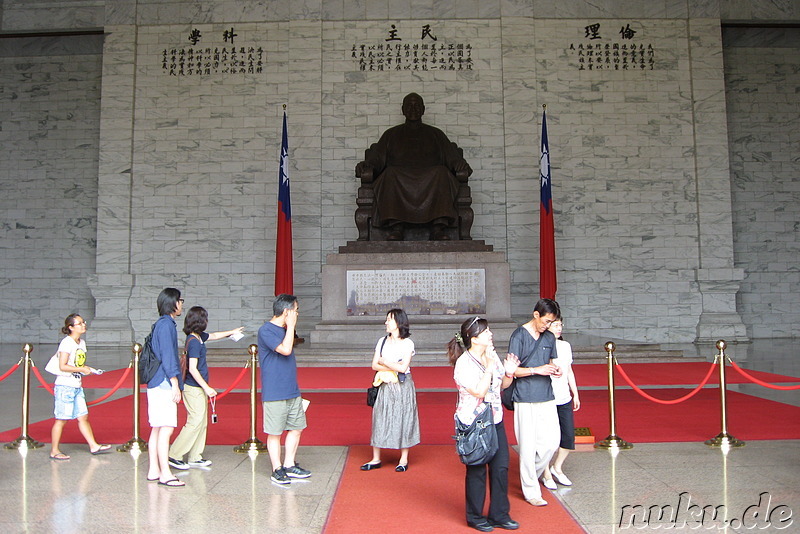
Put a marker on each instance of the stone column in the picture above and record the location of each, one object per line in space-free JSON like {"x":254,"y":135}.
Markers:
{"x":112,"y":283}
{"x":717,"y":278}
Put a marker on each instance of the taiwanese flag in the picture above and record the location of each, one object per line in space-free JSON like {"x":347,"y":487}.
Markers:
{"x":284,"y":280}
{"x":547,"y":239}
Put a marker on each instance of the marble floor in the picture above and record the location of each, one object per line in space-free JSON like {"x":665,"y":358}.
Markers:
{"x":753,"y":488}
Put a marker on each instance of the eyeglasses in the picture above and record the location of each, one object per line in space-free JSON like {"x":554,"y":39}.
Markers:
{"x":83,"y":323}
{"x":557,"y":324}
{"x":180,"y":300}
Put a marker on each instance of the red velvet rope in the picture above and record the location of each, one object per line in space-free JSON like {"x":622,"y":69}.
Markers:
{"x":9,"y":372}
{"x":760,"y":382}
{"x":235,"y":382}
{"x":674,"y":401}
{"x":41,"y":380}
{"x":114,"y":389}
{"x":120,"y":381}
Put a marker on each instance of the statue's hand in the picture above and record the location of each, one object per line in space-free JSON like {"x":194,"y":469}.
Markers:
{"x":462,"y":171}
{"x":364,"y":171}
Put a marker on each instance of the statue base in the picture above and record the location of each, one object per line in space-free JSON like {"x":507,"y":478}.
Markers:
{"x":412,"y":247}
{"x":439,"y":284}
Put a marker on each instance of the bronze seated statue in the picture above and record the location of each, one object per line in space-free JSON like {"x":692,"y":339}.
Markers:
{"x":413,"y":184}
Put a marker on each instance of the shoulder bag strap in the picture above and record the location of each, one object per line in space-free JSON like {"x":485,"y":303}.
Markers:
{"x":535,"y":347}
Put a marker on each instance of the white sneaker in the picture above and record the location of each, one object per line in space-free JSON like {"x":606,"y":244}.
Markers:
{"x":561,"y":478}
{"x":202,"y":462}
{"x":549,"y":484}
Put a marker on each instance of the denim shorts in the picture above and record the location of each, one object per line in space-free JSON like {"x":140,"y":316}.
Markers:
{"x":70,"y":402}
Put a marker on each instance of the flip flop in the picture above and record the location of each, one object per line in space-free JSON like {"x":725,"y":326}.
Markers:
{"x":59,"y":456}
{"x":172,"y":483}
{"x":102,"y":450}
{"x":152,"y":479}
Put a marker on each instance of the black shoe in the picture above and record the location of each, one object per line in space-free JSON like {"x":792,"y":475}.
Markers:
{"x":402,"y":468}
{"x":440,"y":233}
{"x":178,"y":464}
{"x":370,"y":467}
{"x":280,"y":476}
{"x":510,"y":524}
{"x":483,"y":526}
{"x":296,"y":471}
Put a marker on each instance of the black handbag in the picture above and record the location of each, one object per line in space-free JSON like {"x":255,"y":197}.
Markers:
{"x":372,"y":391}
{"x":372,"y":394}
{"x":476,"y":444}
{"x":507,"y":396}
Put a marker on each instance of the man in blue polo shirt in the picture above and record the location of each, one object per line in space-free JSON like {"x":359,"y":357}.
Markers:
{"x":280,"y":393}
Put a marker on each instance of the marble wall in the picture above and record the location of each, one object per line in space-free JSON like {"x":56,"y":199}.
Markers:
{"x":49,"y":117}
{"x":182,"y":188}
{"x":762,"y":69}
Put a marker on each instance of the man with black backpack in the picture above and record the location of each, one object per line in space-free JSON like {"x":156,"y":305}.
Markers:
{"x":164,"y":388}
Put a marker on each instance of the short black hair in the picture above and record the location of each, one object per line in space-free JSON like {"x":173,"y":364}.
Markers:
{"x":282,"y":302}
{"x":168,"y":300}
{"x":401,"y":318}
{"x":545,"y":306}
{"x":196,"y":321}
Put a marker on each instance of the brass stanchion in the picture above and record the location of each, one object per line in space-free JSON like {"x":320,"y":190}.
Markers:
{"x":253,"y":444}
{"x":24,"y":440}
{"x":135,"y":443}
{"x":723,"y":438}
{"x":612,"y":441}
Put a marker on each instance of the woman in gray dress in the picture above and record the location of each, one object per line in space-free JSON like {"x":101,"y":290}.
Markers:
{"x":395,"y":421}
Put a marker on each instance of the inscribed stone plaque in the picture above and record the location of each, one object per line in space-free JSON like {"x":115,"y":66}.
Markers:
{"x":417,"y":291}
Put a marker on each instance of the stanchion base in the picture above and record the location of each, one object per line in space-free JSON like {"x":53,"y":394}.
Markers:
{"x":724,"y":439}
{"x":25,"y":442}
{"x":613,"y":442}
{"x":252,"y":444}
{"x":133,"y":444}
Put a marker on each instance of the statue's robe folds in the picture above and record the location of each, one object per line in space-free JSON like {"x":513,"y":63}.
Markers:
{"x":414,"y":183}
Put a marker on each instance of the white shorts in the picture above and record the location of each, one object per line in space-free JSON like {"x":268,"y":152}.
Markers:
{"x":161,"y":409}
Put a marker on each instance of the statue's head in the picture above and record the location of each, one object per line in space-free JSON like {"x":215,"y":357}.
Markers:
{"x":413,"y":107}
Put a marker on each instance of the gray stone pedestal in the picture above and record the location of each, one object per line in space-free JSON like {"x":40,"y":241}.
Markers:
{"x":111,"y":324}
{"x":429,"y":332}
{"x":719,"y":318}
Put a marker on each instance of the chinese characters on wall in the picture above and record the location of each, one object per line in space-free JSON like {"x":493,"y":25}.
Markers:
{"x":417,"y":291}
{"x":413,"y":49}
{"x":212,"y":53}
{"x":624,"y":51}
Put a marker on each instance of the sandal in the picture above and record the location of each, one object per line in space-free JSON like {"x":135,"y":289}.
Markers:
{"x":172,"y":483}
{"x":59,"y":456}
{"x":102,"y":449}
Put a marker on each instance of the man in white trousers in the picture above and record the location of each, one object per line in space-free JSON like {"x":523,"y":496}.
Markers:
{"x":535,"y":416}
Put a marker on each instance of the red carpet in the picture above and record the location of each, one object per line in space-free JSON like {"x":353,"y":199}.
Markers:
{"x":358,"y":378}
{"x":415,"y":501}
{"x":344,"y":418}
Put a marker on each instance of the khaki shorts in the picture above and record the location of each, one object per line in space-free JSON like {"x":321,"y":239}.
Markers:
{"x":284,"y":415}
